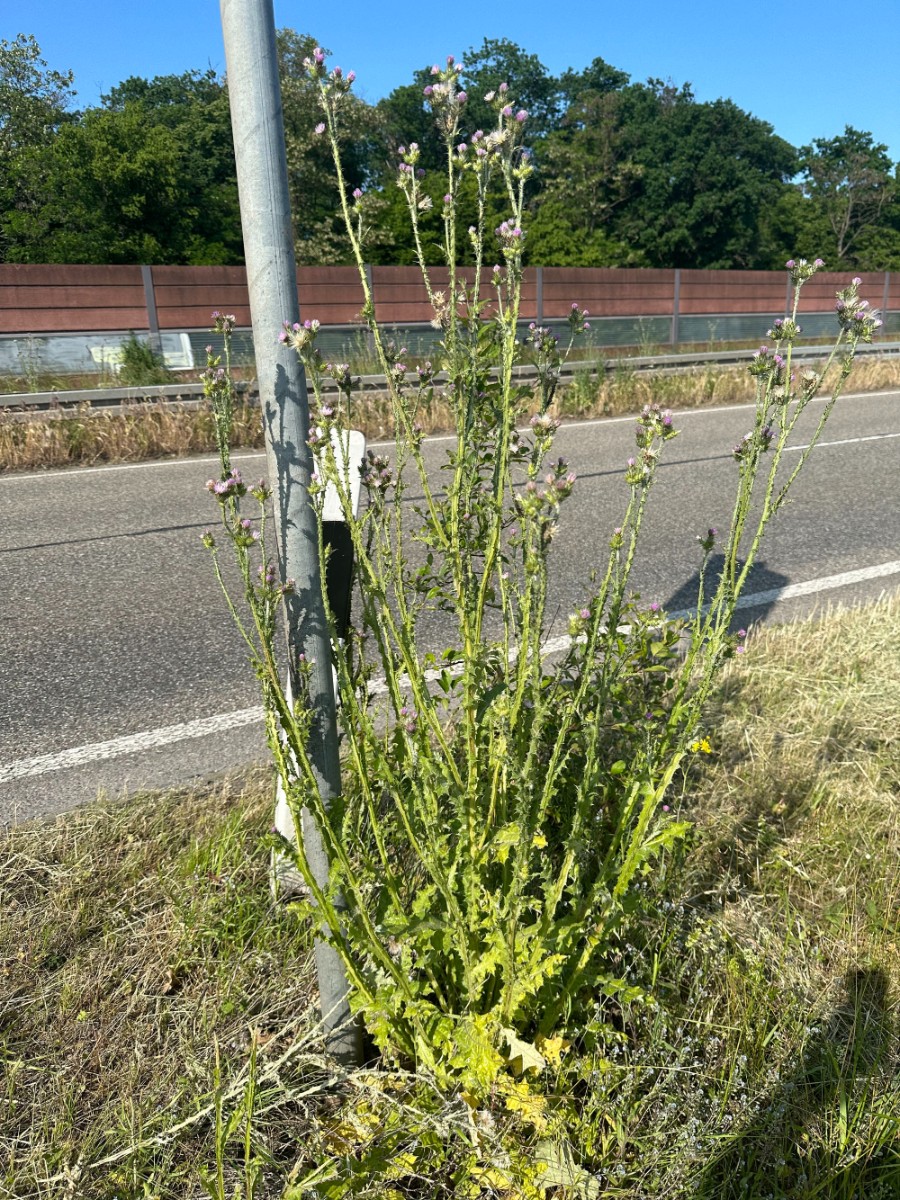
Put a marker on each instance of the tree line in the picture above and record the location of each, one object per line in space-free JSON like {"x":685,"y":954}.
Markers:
{"x":626,"y":174}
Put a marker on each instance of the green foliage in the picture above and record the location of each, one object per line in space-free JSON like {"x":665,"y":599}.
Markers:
{"x":33,"y":98}
{"x":705,"y":174}
{"x":626,"y":174}
{"x":149,"y":178}
{"x":140,"y":364}
{"x":34,"y":103}
{"x":319,"y":235}
{"x":589,"y":173}
{"x":851,"y":182}
{"x":502,"y":808}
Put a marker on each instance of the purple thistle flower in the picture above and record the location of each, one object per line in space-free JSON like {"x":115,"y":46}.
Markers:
{"x":320,"y":128}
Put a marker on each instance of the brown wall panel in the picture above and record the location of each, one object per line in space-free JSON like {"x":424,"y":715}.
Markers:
{"x":67,"y":297}
{"x":200,"y":276}
{"x":73,"y":320}
{"x":53,"y":275}
{"x":70,"y":296}
{"x":197,"y":316}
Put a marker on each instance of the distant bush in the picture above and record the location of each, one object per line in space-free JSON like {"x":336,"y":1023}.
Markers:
{"x":140,"y":364}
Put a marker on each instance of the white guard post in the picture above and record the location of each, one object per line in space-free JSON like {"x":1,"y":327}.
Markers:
{"x":286,"y":879}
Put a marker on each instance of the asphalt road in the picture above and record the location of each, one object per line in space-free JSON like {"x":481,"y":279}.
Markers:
{"x":115,"y":643}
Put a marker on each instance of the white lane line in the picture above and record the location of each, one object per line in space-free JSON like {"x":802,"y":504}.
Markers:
{"x":590,"y":423}
{"x":150,"y":739}
{"x":872,"y":437}
{"x":448,"y":437}
{"x":167,"y":735}
{"x":52,"y":474}
{"x":823,"y":584}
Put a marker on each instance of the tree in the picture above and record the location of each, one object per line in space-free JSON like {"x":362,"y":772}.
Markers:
{"x":851,"y":180}
{"x":318,"y":230}
{"x":405,"y":118}
{"x":530,"y":85}
{"x":707,"y":173}
{"x":588,"y":171}
{"x":598,"y":77}
{"x":147,"y":177}
{"x":34,"y":100}
{"x":34,"y":103}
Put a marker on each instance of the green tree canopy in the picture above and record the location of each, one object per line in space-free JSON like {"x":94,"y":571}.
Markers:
{"x":625,"y":173}
{"x":318,"y":230}
{"x":851,"y":181}
{"x":34,"y":100}
{"x":146,"y":177}
{"x":704,"y":174}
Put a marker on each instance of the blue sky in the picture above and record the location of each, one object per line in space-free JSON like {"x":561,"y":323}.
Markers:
{"x":808,"y":67}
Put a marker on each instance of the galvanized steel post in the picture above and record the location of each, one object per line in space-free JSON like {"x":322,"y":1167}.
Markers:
{"x":248,"y":27}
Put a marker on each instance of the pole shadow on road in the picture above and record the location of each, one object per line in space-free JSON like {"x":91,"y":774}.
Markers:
{"x":848,"y":1059}
{"x":761,"y":579}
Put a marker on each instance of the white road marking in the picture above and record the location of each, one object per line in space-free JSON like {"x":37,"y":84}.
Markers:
{"x":448,"y":437}
{"x":872,"y":437}
{"x":150,"y":739}
{"x":167,"y":735}
{"x":140,"y":466}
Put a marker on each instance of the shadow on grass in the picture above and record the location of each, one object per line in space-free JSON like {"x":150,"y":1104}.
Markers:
{"x":817,"y":1132}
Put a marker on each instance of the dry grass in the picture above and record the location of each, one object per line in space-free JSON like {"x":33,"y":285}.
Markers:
{"x":136,"y":938}
{"x":625,"y":390}
{"x":146,"y":430}
{"x":809,"y":761}
{"x":164,"y":429}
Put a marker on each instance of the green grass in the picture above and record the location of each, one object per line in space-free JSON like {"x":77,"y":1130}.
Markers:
{"x":155,"y":1019}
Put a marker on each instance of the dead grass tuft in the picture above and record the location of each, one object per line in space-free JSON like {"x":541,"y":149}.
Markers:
{"x":165,"y":429}
{"x":137,"y":937}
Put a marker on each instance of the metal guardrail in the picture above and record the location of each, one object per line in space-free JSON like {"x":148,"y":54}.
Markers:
{"x":113,"y":398}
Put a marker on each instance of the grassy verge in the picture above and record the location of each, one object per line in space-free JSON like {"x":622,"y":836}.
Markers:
{"x":154,"y":1004}
{"x":162,"y":429}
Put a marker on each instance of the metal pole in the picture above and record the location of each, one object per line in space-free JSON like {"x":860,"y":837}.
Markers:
{"x":248,"y":28}
{"x":676,"y":307}
{"x":886,"y":300}
{"x":150,"y":302}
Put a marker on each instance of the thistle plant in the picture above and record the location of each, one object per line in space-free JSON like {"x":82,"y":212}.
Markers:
{"x":500,"y":804}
